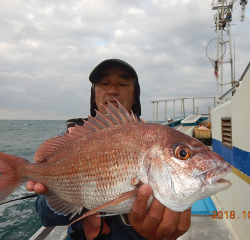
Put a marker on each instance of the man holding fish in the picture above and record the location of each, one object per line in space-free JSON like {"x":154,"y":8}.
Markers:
{"x":115,"y":79}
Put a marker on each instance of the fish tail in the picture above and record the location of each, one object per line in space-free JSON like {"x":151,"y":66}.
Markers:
{"x":10,"y":174}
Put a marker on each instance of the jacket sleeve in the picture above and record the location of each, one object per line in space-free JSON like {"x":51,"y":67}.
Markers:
{"x":48,"y":217}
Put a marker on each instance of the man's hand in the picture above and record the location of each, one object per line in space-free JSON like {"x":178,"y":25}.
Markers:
{"x":158,"y":222}
{"x":39,"y":188}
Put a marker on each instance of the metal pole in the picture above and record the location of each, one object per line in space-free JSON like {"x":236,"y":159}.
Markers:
{"x":218,"y":28}
{"x":184,"y":108}
{"x":153,"y":112}
{"x":221,"y":48}
{"x":231,"y":59}
{"x":156,"y":112}
{"x":173,"y":110}
{"x":165,"y":120}
{"x":193,"y":106}
{"x":221,"y":73}
{"x":181,"y":110}
{"x":234,"y":60}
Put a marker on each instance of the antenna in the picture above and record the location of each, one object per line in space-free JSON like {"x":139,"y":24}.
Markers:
{"x":243,"y":3}
{"x":234,"y":60}
{"x":222,"y":19}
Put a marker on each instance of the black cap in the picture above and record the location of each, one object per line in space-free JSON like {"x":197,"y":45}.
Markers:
{"x":108,"y":64}
{"x":75,"y":121}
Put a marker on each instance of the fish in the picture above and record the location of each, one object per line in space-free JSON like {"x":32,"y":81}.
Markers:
{"x":101,"y":165}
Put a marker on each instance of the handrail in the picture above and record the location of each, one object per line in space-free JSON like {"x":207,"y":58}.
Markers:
{"x":245,"y":72}
{"x":182,"y":112}
{"x":171,"y":99}
{"x":237,"y":84}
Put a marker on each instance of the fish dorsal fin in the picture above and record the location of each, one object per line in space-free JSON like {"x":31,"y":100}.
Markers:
{"x":115,"y":116}
{"x":51,"y":145}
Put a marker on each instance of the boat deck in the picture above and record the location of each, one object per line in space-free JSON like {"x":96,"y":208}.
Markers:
{"x":50,"y":233}
{"x":206,"y":228}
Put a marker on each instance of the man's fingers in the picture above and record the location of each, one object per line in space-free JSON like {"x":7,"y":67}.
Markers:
{"x":183,"y":224}
{"x":185,"y":220}
{"x":158,"y":222}
{"x":140,"y":204}
{"x":168,"y":225}
{"x":40,"y":189}
{"x":154,"y":215}
{"x":30,"y":186}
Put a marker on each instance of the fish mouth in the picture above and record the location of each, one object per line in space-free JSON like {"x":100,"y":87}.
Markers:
{"x":215,"y":175}
{"x":222,"y":180}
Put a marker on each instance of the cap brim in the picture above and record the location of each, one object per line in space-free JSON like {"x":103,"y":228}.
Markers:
{"x":108,"y":64}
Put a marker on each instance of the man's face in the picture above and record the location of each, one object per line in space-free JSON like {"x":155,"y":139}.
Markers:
{"x":114,"y":83}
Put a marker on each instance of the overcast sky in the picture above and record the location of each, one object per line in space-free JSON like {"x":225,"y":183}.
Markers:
{"x":48,"y":49}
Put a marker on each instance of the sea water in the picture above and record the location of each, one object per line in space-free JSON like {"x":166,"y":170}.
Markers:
{"x":19,"y":220}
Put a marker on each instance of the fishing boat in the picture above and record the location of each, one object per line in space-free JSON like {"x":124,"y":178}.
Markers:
{"x":226,"y":215}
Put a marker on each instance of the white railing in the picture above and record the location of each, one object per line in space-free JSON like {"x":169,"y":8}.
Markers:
{"x":183,"y":111}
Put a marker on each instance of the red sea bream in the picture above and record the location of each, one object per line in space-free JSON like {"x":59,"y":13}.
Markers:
{"x":101,"y":165}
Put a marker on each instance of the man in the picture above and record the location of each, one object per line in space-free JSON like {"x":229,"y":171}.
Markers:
{"x":116,"y":79}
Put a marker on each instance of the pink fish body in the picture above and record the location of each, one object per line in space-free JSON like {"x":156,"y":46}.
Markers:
{"x":111,"y":156}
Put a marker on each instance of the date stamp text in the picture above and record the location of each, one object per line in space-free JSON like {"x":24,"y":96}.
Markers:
{"x":230,"y":215}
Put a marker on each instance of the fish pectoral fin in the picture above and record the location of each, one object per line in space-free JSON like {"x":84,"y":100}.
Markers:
{"x":136,"y":182}
{"x":61,"y":207}
{"x":113,"y":202}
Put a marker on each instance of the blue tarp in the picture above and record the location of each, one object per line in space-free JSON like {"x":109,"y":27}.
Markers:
{"x":203,"y":207}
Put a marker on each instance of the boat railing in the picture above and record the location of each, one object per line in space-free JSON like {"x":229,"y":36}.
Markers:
{"x":237,"y":84}
{"x":182,"y":104}
{"x":233,"y":90}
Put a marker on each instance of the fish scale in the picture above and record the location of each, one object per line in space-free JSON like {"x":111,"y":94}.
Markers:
{"x":85,"y":174}
{"x":101,"y":170}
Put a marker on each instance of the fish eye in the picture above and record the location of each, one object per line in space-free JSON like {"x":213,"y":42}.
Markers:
{"x":182,"y":153}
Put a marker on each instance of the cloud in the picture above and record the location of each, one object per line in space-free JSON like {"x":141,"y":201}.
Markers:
{"x":49,"y":48}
